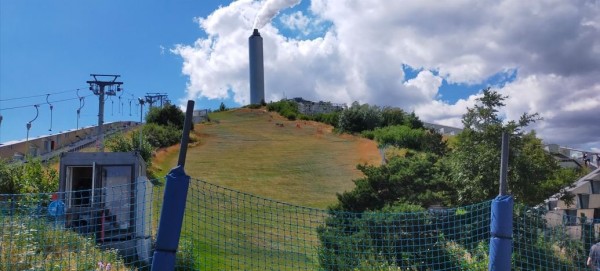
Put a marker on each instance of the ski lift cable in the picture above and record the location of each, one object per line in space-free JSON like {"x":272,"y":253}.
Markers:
{"x":56,"y":101}
{"x":39,"y":95}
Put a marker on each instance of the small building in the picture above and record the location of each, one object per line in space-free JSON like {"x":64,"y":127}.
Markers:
{"x":199,"y":116}
{"x":443,"y":129}
{"x":106,"y":195}
{"x":585,"y":208}
{"x":312,"y":108}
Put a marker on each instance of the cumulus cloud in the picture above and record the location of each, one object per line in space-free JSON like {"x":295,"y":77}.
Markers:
{"x":296,"y":21}
{"x":553,"y":45}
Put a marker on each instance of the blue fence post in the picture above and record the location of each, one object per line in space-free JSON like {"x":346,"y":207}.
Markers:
{"x":175,"y":197}
{"x":171,"y":220}
{"x":501,"y":233}
{"x":501,"y":225}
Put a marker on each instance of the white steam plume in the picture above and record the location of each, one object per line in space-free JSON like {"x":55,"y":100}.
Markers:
{"x":270,"y":9}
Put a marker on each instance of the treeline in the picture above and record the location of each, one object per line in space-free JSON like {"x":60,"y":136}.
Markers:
{"x":355,"y":119}
{"x":429,"y":173}
{"x":289,"y":110}
{"x":163,"y":128}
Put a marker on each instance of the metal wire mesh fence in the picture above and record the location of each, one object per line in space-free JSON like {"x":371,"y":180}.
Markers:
{"x":229,"y":230}
{"x":84,"y":229}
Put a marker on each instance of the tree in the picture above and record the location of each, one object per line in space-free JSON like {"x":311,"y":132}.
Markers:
{"x":169,"y":115}
{"x":417,"y":179}
{"x":222,"y":107}
{"x":358,"y":118}
{"x":392,"y":116}
{"x":475,"y":159}
{"x":120,"y":143}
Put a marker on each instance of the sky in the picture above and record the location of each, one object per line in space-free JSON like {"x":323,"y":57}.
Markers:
{"x":430,"y":57}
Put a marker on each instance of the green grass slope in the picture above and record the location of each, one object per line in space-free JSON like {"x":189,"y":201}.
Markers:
{"x":259,"y":152}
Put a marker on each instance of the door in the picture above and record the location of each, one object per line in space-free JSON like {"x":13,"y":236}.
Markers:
{"x":79,"y":184}
{"x":117,"y":199}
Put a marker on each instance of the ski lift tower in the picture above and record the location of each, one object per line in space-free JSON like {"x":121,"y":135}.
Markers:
{"x":99,"y":88}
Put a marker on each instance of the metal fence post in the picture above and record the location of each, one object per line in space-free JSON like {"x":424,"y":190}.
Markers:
{"x":175,"y":196}
{"x":171,"y":220}
{"x":502,"y":218}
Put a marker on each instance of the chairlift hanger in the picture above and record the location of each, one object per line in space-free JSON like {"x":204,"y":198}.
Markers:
{"x":1,"y":123}
{"x":112,"y":104}
{"x":37,"y":112}
{"x":81,"y":104}
{"x":51,"y":107}
{"x":120,"y":103}
{"x":130,"y":100}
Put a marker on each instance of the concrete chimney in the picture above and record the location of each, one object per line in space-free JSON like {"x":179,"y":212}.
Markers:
{"x":257,"y":71}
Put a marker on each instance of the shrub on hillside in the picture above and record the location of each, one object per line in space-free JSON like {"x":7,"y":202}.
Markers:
{"x":253,"y":106}
{"x":31,"y":177}
{"x":161,"y":136}
{"x":332,"y":118}
{"x":120,"y":143}
{"x":287,"y":109}
{"x":403,"y":136}
{"x":358,"y":118}
{"x":168,"y":115}
{"x":396,"y":237}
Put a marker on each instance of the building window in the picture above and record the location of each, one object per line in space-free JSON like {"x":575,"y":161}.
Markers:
{"x":583,"y":201}
{"x":595,"y":187}
{"x":570,"y":217}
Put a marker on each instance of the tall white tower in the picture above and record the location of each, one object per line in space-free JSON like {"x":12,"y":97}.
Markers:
{"x":257,"y":71}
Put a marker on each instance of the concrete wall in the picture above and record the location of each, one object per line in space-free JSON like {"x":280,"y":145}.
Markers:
{"x":49,"y":143}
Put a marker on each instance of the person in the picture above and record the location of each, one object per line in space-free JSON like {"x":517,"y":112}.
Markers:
{"x":598,"y":159}
{"x":593,"y":260}
{"x":586,"y":159}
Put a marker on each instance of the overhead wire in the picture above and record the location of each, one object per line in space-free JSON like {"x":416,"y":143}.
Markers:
{"x":40,"y":95}
{"x":56,"y":101}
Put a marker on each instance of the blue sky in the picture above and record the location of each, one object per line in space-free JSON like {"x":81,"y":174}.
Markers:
{"x":48,"y":47}
{"x":431,"y":58}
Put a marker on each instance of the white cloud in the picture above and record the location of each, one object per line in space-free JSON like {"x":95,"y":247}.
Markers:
{"x":296,"y":21}
{"x":426,"y":84}
{"x":554,"y":46}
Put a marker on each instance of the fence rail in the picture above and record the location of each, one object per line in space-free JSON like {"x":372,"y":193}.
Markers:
{"x":229,"y":230}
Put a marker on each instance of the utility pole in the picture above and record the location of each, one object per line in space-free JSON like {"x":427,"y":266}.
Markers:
{"x":141,"y":119}
{"x":1,"y":128}
{"x":99,"y":88}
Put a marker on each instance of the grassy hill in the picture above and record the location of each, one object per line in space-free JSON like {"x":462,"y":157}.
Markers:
{"x":260,"y":152}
